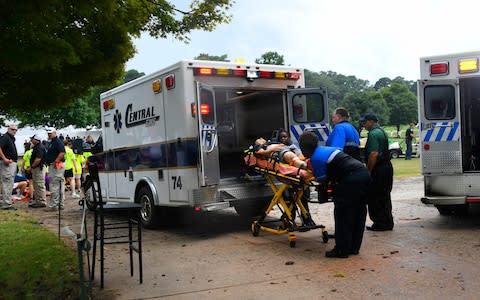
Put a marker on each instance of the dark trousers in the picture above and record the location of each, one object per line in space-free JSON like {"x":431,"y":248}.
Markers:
{"x":350,"y":211}
{"x":379,"y":198}
{"x":408,"y":152}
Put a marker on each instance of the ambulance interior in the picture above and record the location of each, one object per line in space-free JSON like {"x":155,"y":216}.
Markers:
{"x":243,"y":115}
{"x":470,"y":108}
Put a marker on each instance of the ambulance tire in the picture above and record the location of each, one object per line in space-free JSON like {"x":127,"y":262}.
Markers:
{"x":149,"y":213}
{"x":449,"y":210}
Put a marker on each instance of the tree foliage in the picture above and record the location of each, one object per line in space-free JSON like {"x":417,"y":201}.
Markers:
{"x":206,"y":56}
{"x":81,"y":113}
{"x":270,"y":58}
{"x":401,"y":102}
{"x":54,"y":51}
{"x":361,"y":103}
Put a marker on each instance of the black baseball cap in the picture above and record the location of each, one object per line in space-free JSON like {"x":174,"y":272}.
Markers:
{"x":370,"y":117}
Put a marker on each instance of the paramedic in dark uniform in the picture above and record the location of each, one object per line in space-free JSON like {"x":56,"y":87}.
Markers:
{"x":350,"y":194}
{"x":344,"y":135}
{"x":56,"y":169}
{"x":381,"y":171}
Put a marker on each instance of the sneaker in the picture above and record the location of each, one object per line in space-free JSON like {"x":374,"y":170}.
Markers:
{"x":75,"y":195}
{"x":37,"y":205}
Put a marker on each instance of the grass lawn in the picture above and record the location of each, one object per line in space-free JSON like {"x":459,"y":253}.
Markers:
{"x":402,"y":167}
{"x":34,"y":264}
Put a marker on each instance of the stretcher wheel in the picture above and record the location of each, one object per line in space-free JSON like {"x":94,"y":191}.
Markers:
{"x":255,"y":227}
{"x":292,"y":239}
{"x":325,"y":236}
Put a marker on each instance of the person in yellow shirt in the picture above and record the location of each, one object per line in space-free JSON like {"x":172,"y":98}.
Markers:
{"x":26,"y":166}
{"x":77,"y":172}
{"x":70,"y":167}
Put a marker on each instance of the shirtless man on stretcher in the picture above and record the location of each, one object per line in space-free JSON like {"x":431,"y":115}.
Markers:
{"x":286,"y":153}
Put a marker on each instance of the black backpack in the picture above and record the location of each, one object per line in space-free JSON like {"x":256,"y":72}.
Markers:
{"x":77,"y":146}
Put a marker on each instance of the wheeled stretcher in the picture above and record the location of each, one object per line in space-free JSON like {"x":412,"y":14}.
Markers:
{"x":288,"y":184}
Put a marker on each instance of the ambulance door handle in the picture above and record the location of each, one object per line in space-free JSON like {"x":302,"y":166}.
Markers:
{"x":213,"y":144}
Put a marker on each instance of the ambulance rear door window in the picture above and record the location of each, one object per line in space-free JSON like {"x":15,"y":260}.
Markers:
{"x":439,"y":102}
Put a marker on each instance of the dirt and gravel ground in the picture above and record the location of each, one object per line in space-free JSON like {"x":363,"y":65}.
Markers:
{"x":211,"y":256}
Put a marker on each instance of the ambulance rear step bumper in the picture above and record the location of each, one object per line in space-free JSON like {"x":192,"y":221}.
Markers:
{"x":444,"y":200}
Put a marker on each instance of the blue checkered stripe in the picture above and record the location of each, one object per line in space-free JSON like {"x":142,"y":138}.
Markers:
{"x":298,"y":129}
{"x":441,"y":132}
{"x":206,"y":130}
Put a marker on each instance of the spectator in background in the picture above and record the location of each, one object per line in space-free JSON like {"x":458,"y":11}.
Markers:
{"x":344,"y":135}
{"x":409,"y":136}
{"x":8,"y":166}
{"x":38,"y":173}
{"x":77,"y":171}
{"x":26,"y":167}
{"x":381,"y":171}
{"x":70,"y":166}
{"x":56,"y":169}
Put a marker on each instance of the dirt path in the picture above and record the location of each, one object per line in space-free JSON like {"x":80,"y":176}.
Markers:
{"x":215,"y":256}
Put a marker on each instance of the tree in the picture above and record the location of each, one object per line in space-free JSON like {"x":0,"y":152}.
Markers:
{"x":205,"y":56}
{"x":402,"y":103}
{"x":81,"y":113}
{"x":53,"y":51}
{"x":360,"y":103}
{"x":270,"y":58}
{"x":381,"y":83}
{"x":131,"y":75}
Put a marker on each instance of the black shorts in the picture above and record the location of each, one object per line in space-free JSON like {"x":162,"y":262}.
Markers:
{"x":28,"y":175}
{"x":68,"y":173}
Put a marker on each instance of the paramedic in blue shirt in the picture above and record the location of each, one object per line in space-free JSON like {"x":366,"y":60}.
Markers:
{"x":344,"y":135}
{"x":351,"y":180}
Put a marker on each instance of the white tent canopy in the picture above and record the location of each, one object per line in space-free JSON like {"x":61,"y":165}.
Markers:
{"x":24,"y":134}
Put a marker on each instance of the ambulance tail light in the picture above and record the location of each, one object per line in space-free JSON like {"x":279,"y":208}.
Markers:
{"x":439,"y":68}
{"x":170,"y":81}
{"x":468,"y":65}
{"x":426,"y":147}
{"x":266,"y":74}
{"x":204,"y":109}
{"x":293,"y":76}
{"x":108,"y":104}
{"x":203,"y":71}
{"x":239,"y":73}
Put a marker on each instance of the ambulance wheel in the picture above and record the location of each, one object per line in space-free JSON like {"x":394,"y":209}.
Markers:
{"x":255,"y":227}
{"x":148,"y":213}
{"x":325,"y":236}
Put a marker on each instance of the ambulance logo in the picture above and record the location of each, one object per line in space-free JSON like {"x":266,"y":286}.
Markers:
{"x":117,"y":121}
{"x":140,"y":116}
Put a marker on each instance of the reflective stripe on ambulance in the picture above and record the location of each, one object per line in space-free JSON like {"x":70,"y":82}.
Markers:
{"x":321,"y":130}
{"x":441,"y":132}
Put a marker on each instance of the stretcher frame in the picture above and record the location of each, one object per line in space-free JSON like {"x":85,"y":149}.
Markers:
{"x":296,"y":185}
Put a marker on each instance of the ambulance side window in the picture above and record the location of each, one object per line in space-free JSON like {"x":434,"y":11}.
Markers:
{"x":308,"y":108}
{"x":207,"y":107}
{"x":439,"y":102}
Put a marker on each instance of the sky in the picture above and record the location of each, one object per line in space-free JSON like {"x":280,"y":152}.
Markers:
{"x":369,"y":39}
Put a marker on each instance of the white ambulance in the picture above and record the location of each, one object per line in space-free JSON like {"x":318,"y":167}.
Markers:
{"x":176,"y":138}
{"x":449,"y":107}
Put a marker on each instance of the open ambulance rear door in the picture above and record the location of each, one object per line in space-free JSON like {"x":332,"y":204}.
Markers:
{"x":439,"y":115}
{"x":308,"y":111}
{"x":204,"y":108}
